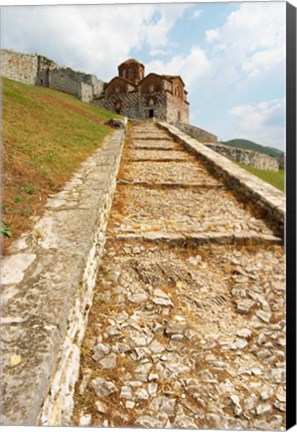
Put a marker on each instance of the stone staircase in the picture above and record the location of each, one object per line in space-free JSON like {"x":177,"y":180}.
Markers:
{"x":187,"y":326}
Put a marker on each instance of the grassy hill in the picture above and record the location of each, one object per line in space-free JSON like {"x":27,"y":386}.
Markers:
{"x":275,"y":178}
{"x":46,"y":135}
{"x":250,"y":145}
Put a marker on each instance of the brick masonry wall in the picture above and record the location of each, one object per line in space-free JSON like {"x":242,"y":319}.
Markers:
{"x":248,"y":157}
{"x":128,"y":103}
{"x":19,"y":67}
{"x":137,"y":105}
{"x":177,"y":109}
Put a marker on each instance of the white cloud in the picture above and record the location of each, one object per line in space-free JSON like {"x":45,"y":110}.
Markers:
{"x":83,"y":37}
{"x":156,"y":34}
{"x":196,"y":14}
{"x":212,"y":35}
{"x":262,"y":122}
{"x":159,"y":52}
{"x":252,"y":38}
{"x":192,"y":67}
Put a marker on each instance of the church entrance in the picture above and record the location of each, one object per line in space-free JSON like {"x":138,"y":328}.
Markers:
{"x":151,"y":113}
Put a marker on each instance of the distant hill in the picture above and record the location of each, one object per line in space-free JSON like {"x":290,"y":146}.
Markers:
{"x":250,"y":145}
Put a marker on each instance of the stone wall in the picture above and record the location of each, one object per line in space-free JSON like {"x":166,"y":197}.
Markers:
{"x":86,"y":92}
{"x":19,"y":67}
{"x":247,"y":157}
{"x":64,"y":80}
{"x":197,"y":133}
{"x":39,"y":70}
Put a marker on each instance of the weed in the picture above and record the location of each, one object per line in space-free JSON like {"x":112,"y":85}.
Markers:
{"x":38,"y":234}
{"x":28,"y":189}
{"x":18,"y":199}
{"x":26,"y":213}
{"x":5,"y":229}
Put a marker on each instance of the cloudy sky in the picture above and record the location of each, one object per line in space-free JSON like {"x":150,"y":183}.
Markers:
{"x":230,"y":55}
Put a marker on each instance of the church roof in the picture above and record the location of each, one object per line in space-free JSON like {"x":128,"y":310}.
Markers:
{"x":129,"y":61}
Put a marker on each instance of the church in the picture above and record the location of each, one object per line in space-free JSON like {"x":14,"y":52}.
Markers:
{"x":134,"y":95}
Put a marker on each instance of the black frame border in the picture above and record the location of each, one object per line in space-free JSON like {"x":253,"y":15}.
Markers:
{"x":291,"y":213}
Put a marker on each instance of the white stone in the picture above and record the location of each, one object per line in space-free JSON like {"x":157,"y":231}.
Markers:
{"x":256,"y":371}
{"x":156,"y":347}
{"x":101,"y":407}
{"x":121,"y":317}
{"x":85,"y":420}
{"x":141,"y":394}
{"x":100,"y":351}
{"x":264,"y":315}
{"x":102,"y":387}
{"x":138,"y":297}
{"x":149,"y":422}
{"x":137,"y":339}
{"x":126,"y":392}
{"x":109,"y":362}
{"x":152,"y":388}
{"x":241,"y":343}
{"x":14,"y":267}
{"x":263,"y":408}
{"x":244,"y":333}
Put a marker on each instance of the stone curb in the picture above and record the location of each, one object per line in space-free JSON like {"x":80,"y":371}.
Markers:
{"x":47,"y":287}
{"x":262,"y":195}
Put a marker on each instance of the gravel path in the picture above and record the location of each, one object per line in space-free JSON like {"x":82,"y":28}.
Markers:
{"x":183,"y":334}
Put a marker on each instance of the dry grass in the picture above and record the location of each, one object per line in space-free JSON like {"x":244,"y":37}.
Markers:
{"x":46,"y":135}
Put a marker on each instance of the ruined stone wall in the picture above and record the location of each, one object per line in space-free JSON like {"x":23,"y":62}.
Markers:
{"x":19,"y":67}
{"x":64,"y":80}
{"x":197,"y":133}
{"x":96,"y":84}
{"x":44,"y":67}
{"x":247,"y":157}
{"x":86,"y":92}
{"x":39,"y":70}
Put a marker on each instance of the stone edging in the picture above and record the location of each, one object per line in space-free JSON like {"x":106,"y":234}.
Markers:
{"x":262,"y":195}
{"x":47,"y":292}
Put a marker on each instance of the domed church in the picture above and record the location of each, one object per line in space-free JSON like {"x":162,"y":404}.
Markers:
{"x":135,"y":95}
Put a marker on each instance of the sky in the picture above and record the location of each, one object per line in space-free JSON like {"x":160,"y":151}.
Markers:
{"x":231,"y":56}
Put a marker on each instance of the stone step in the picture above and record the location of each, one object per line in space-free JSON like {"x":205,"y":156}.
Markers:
{"x":222,"y":238}
{"x":156,"y":155}
{"x":168,"y":172}
{"x":170,"y":185}
{"x":179,"y":210}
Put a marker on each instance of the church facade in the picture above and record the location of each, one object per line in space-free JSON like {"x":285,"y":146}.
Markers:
{"x":135,"y":95}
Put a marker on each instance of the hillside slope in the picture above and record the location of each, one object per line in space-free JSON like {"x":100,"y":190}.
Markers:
{"x":250,"y":145}
{"x":46,"y":135}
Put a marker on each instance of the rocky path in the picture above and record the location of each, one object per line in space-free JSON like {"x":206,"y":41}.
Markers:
{"x":187,"y":327}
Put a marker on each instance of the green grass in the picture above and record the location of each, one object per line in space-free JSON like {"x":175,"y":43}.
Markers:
{"x":46,"y":135}
{"x":275,"y":178}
